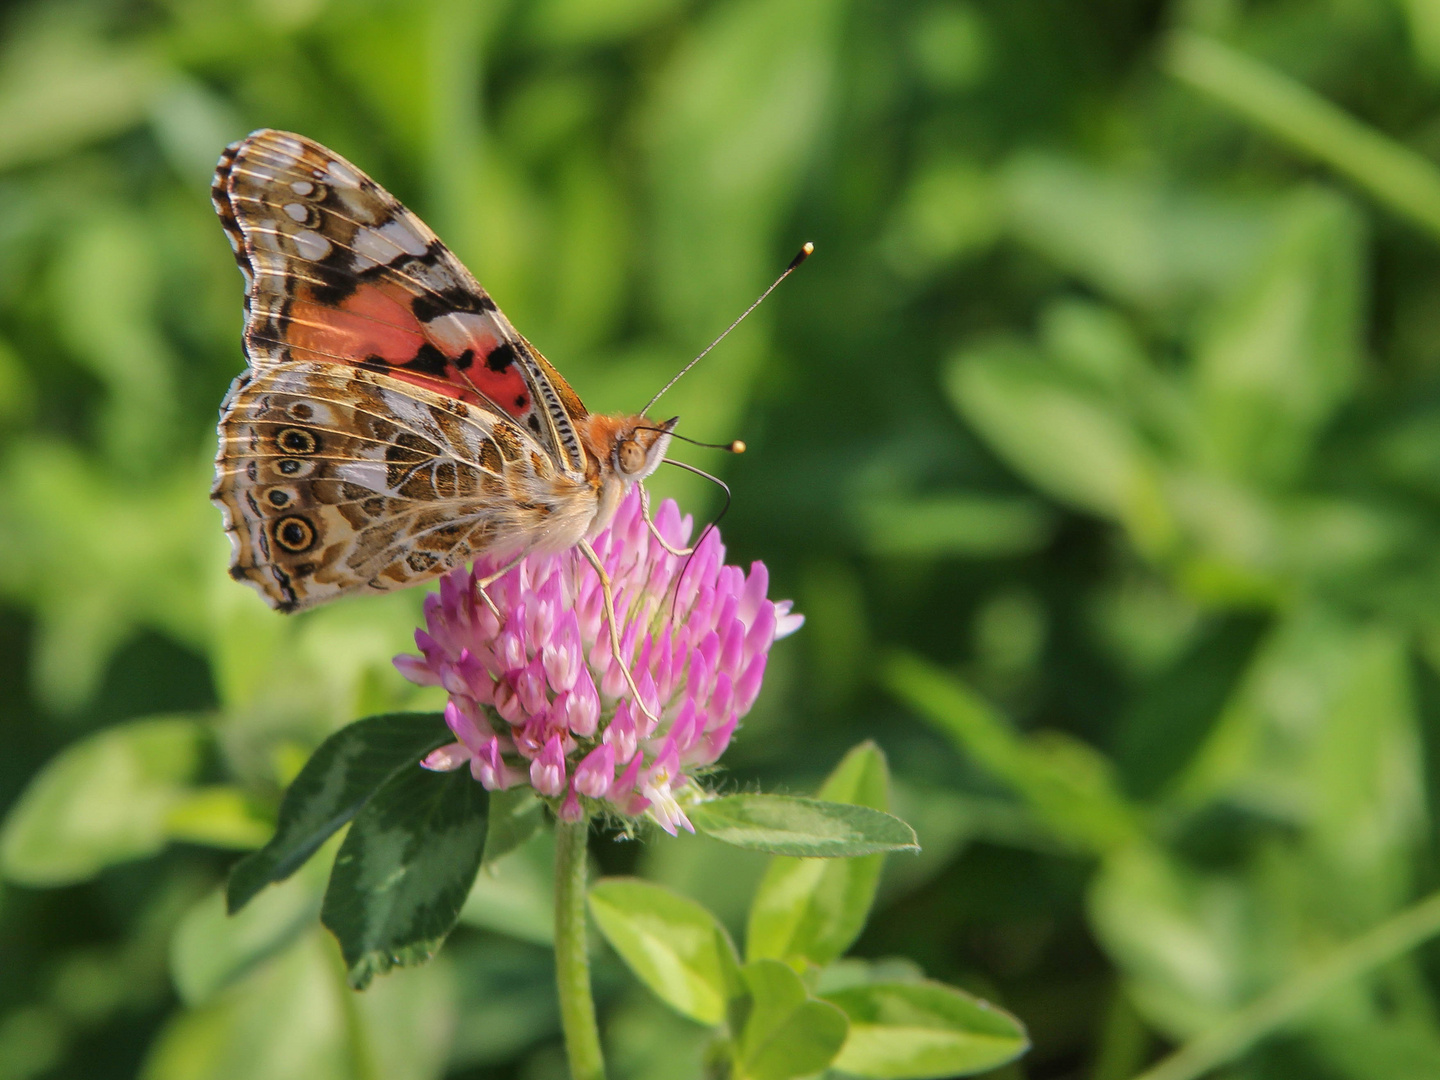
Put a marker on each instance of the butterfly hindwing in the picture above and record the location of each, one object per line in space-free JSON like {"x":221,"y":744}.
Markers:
{"x":339,"y":272}
{"x":334,"y":480}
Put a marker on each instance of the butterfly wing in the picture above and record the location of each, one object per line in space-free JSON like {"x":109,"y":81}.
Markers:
{"x":337,"y":271}
{"x":392,"y":424}
{"x":336,"y":480}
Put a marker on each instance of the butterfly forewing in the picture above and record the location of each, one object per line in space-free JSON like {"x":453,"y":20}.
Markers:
{"x":392,"y":424}
{"x":338,"y":271}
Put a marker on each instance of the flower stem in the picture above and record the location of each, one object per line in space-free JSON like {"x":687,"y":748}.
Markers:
{"x":1231,"y":1037}
{"x":572,"y":961}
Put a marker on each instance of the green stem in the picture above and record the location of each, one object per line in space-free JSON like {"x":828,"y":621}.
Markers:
{"x":572,"y":961}
{"x":1395,"y":174}
{"x":1234,"y":1035}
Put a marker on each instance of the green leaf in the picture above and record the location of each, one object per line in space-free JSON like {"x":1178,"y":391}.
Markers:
{"x":785,"y":1032}
{"x":912,"y":1030}
{"x":672,"y":944}
{"x":404,"y":870}
{"x":784,"y":825}
{"x":345,"y":770}
{"x":101,"y":801}
{"x":813,"y":909}
{"x":211,"y":949}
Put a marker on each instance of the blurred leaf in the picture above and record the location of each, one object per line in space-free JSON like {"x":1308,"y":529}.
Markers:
{"x":951,"y":210}
{"x":1322,"y":734}
{"x":211,"y":949}
{"x":813,"y":909}
{"x":1393,"y":173}
{"x":63,"y":85}
{"x":345,"y":771}
{"x":672,"y":944}
{"x":1174,"y":714}
{"x":17,"y":389}
{"x":1068,"y":785}
{"x":515,"y":894}
{"x":570,"y":23}
{"x":506,"y":998}
{"x":293,"y":1018}
{"x":515,"y":816}
{"x":220,"y":816}
{"x":849,"y":972}
{"x":732,"y":120}
{"x":102,"y":800}
{"x":1126,"y":234}
{"x":1284,"y":351}
{"x":1180,"y":940}
{"x":1064,"y":438}
{"x":951,"y":45}
{"x":900,"y":1031}
{"x":116,"y":333}
{"x":975,"y":526}
{"x":783,"y":825}
{"x":785,"y":1032}
{"x":404,"y":870}
{"x":92,"y":586}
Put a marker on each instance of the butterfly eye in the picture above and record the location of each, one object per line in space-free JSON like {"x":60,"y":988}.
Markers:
{"x":630,"y":457}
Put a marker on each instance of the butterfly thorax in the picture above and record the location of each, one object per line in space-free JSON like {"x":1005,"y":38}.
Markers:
{"x":620,"y":451}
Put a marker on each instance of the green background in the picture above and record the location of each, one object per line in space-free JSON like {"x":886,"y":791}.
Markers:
{"x":1110,"y":398}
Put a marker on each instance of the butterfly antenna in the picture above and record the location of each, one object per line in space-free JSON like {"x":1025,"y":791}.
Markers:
{"x":800,"y":258}
{"x":734,"y":446}
{"x":705,"y":531}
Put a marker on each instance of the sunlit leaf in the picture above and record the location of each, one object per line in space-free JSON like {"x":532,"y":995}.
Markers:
{"x":785,"y":1032}
{"x":672,"y":944}
{"x":812,"y":909}
{"x":914,"y":1030}
{"x":784,"y":825}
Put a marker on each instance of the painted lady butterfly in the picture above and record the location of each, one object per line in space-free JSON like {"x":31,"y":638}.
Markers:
{"x":392,"y":424}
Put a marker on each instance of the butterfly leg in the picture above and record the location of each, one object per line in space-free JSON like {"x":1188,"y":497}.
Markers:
{"x":650,"y":523}
{"x":484,"y":583}
{"x":608,"y":593}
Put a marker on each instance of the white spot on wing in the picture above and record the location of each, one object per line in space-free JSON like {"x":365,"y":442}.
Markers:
{"x":403,"y":237}
{"x":373,"y":245}
{"x":368,"y":474}
{"x":339,"y":174}
{"x":287,"y":149}
{"x":311,"y":245}
{"x":461,"y":330}
{"x":296,"y":211}
{"x":302,"y":187}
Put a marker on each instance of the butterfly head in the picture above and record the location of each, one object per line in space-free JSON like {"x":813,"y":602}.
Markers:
{"x":640,"y":447}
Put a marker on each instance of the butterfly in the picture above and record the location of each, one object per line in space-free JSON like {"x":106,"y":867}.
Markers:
{"x":391,"y":423}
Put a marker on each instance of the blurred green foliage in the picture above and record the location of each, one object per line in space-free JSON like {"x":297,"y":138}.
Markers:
{"x":1100,"y":442}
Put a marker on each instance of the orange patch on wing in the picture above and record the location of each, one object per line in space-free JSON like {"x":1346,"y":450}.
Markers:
{"x":373,"y":321}
{"x":376,"y":323}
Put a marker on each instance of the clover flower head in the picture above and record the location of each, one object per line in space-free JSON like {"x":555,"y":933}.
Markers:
{"x":537,"y":697}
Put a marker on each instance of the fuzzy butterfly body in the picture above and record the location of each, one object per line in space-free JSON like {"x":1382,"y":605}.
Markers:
{"x":391,"y":424}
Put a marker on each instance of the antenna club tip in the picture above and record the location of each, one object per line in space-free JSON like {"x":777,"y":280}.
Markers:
{"x":805,"y":253}
{"x":737,"y":447}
